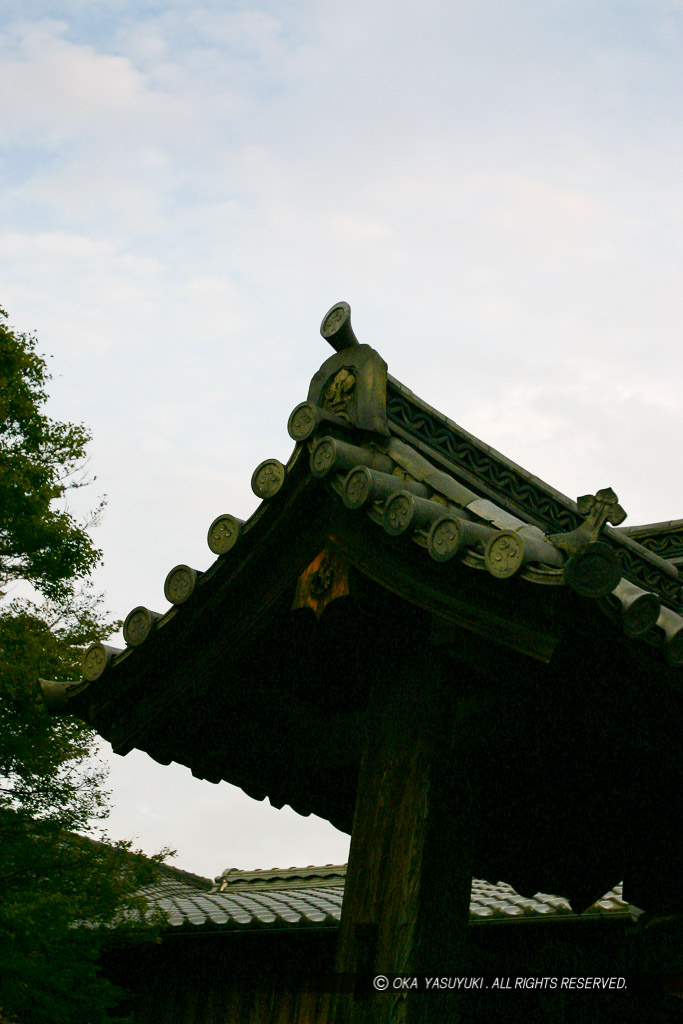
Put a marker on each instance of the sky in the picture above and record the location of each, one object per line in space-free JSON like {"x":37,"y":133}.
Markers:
{"x":495,"y":186}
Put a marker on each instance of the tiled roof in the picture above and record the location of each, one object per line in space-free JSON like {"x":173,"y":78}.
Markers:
{"x":424,"y":479}
{"x":500,"y":902}
{"x":254,"y":899}
{"x":312,"y":897}
{"x":234,"y":880}
{"x":389,"y":517}
{"x":662,"y":539}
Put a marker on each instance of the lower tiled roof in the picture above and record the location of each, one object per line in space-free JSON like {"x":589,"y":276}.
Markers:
{"x":312,"y":897}
{"x":489,"y":902}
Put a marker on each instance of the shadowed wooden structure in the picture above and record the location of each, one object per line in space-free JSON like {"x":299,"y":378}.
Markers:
{"x":259,"y":946}
{"x":417,"y":640}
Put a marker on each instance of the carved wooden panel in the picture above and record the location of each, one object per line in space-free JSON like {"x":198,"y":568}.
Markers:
{"x":325,"y":579}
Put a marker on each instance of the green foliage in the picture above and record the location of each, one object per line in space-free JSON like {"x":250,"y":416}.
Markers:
{"x":66,"y":900}
{"x":42,"y":758}
{"x":40,"y":461}
{"x":63,"y":896}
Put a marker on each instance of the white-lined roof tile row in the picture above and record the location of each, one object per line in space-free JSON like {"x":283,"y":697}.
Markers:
{"x":271,"y":900}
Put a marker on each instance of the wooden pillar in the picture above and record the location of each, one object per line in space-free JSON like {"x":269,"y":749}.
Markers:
{"x":406,"y":903}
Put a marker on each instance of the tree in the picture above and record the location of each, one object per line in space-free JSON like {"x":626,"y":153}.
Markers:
{"x":40,"y":460}
{"x":62,"y":896}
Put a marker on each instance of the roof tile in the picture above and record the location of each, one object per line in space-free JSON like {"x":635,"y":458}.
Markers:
{"x":302,"y":897}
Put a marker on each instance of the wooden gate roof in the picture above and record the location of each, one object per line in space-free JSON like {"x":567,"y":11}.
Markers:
{"x":391,"y":525}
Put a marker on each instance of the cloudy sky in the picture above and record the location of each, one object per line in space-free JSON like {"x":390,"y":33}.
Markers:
{"x":496,"y":186}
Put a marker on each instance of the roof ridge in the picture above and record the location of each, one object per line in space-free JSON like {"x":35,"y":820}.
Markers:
{"x":237,"y":876}
{"x":198,"y":881}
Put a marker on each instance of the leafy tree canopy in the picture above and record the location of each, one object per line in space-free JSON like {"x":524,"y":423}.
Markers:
{"x":62,"y":895}
{"x":40,"y":460}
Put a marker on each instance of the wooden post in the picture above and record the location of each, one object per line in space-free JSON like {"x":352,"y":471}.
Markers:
{"x":406,"y":903}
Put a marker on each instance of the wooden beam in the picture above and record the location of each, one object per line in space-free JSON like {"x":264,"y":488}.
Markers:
{"x":506,"y":615}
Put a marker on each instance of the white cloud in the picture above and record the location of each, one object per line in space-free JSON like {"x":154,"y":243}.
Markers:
{"x":495,"y":188}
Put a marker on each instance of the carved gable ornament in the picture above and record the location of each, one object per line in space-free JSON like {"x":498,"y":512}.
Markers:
{"x":598,"y":510}
{"x":593,"y":569}
{"x":351,"y":384}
